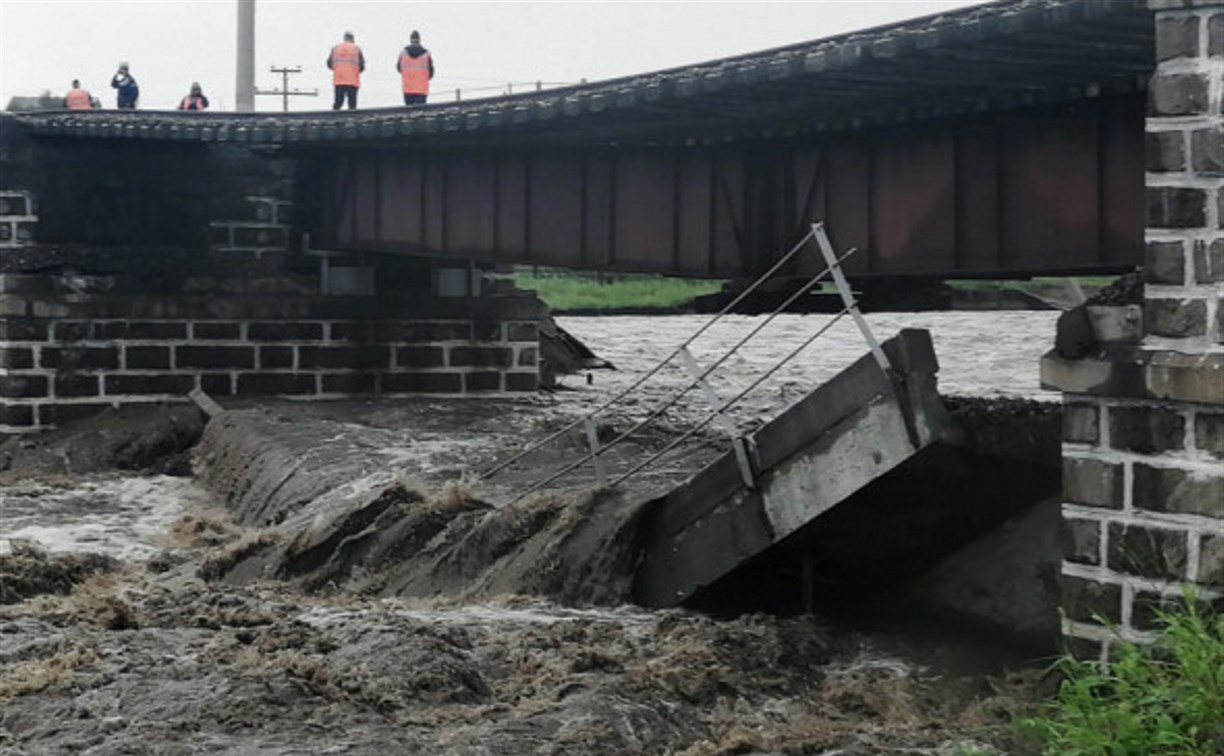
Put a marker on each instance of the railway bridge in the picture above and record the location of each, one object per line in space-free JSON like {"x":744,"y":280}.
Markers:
{"x":1000,"y":140}
{"x":145,"y":255}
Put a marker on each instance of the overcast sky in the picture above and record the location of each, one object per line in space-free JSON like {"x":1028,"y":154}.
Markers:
{"x":478,"y":47}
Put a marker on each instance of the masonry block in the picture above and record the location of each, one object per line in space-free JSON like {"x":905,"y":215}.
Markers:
{"x":422,"y":383}
{"x":275,"y":357}
{"x":1207,"y":151}
{"x":1147,"y":607}
{"x":522,"y":381}
{"x":16,"y":358}
{"x":55,"y":414}
{"x":1176,"y":207}
{"x":216,"y":331}
{"x":1177,"y":318}
{"x":76,"y":385}
{"x":483,"y":381}
{"x":1215,"y":35}
{"x":350,"y":383}
{"x":1209,"y":433}
{"x":139,"y":330}
{"x":1092,"y":482}
{"x":1165,"y":263}
{"x":355,"y":332}
{"x":80,"y":358}
{"x":146,"y":357}
{"x":285,"y":331}
{"x":276,"y":384}
{"x":214,"y":357}
{"x":464,"y":356}
{"x":71,"y":331}
{"x":22,"y":330}
{"x":1089,"y":600}
{"x":1209,"y":262}
{"x":529,"y":357}
{"x":16,"y":415}
{"x":15,"y":204}
{"x":1178,"y":94}
{"x":1147,"y":551}
{"x":348,"y":357}
{"x":119,"y":384}
{"x":1081,"y":541}
{"x":1177,"y":37}
{"x":420,"y":356}
{"x":217,"y":384}
{"x":523,"y":332}
{"x":1211,"y":561}
{"x":1146,"y":430}
{"x":424,"y":331}
{"x":1165,"y":151}
{"x":1178,"y":491}
{"x":23,"y":386}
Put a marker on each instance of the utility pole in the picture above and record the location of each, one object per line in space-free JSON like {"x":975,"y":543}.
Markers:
{"x":285,"y":91}
{"x":244,"y":89}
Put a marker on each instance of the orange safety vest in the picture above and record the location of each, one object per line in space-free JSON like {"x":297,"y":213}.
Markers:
{"x":346,"y":65}
{"x":414,"y":72}
{"x":78,"y":99}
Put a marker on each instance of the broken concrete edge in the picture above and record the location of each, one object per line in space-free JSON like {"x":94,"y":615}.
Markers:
{"x":911,"y":353}
{"x":1138,"y":373}
{"x":206,"y":403}
{"x":711,"y":524}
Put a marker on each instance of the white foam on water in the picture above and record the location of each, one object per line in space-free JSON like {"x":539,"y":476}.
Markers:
{"x":123,"y":517}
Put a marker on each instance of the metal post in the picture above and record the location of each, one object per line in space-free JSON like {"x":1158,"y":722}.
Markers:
{"x":843,"y":288}
{"x":597,"y":463}
{"x":720,"y":419}
{"x":244,"y":86}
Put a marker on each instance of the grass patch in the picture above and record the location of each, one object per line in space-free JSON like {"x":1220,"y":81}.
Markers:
{"x":1164,"y":699}
{"x":1032,"y":285}
{"x":571,"y":291}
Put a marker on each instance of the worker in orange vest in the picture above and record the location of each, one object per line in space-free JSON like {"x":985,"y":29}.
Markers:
{"x":346,"y":63}
{"x":195,"y":100}
{"x":416,"y":68}
{"x":77,"y":98}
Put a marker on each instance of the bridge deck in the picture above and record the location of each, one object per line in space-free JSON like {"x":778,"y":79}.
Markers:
{"x":850,"y":431}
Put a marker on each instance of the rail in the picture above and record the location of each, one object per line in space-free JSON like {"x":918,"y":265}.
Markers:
{"x":595,"y":451}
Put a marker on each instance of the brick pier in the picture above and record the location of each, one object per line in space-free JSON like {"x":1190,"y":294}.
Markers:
{"x":1143,"y":436}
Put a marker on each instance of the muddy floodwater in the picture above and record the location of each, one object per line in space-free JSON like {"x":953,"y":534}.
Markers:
{"x":116,"y":639}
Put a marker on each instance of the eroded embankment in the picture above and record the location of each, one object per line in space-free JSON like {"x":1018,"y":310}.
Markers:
{"x":332,"y":512}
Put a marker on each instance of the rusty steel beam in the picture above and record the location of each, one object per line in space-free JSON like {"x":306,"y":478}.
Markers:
{"x":1043,"y":191}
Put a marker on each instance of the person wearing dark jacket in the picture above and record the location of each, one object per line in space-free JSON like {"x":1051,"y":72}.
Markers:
{"x":129,"y":92}
{"x":416,"y":68}
{"x":195,"y":100}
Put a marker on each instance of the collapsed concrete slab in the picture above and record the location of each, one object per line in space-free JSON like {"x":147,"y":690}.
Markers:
{"x":845,"y":434}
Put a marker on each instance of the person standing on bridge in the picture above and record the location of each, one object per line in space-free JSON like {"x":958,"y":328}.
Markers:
{"x":129,"y":92}
{"x":195,"y":100}
{"x":346,"y":63}
{"x":78,"y":98}
{"x":416,"y":68}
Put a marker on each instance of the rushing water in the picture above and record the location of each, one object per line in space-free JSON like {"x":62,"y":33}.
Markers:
{"x":980,"y":354}
{"x":217,"y":669}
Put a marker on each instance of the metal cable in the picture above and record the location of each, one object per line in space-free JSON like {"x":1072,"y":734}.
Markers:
{"x":648,"y":375}
{"x":696,"y":381}
{"x":650,"y":460}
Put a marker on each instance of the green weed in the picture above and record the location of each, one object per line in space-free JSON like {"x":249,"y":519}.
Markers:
{"x":577,"y":292}
{"x":1163,"y":699}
